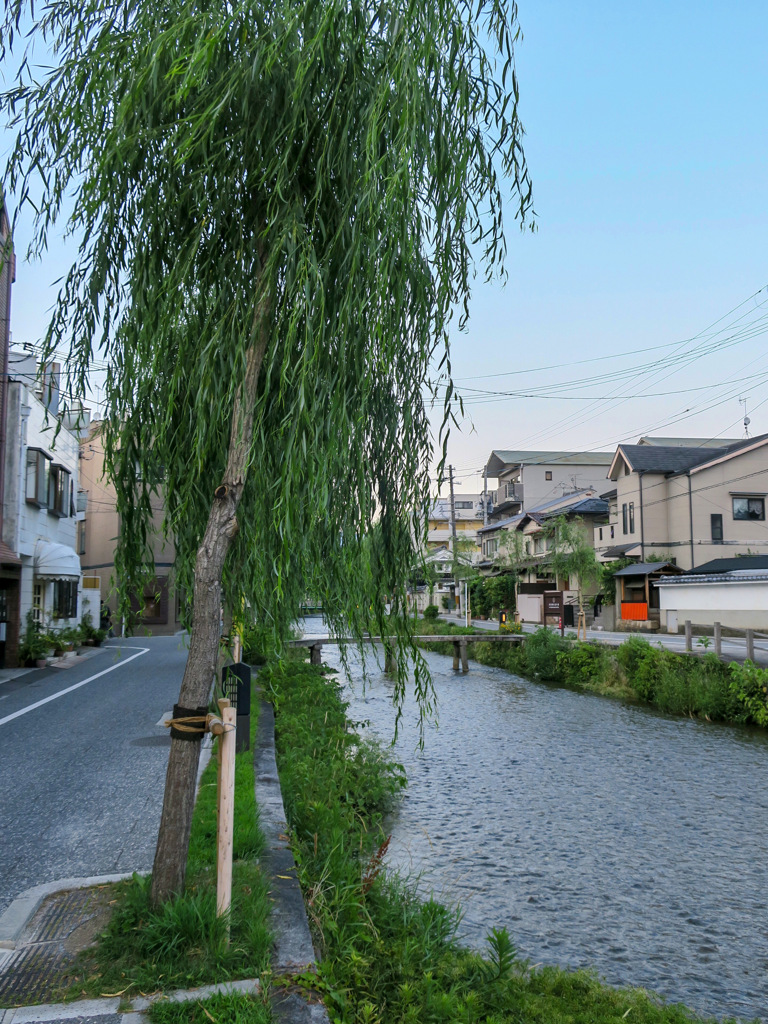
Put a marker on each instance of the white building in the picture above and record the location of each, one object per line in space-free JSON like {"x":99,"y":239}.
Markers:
{"x":41,"y":472}
{"x":731,"y":591}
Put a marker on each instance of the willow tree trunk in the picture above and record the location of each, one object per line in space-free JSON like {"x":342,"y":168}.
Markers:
{"x":170,"y":865}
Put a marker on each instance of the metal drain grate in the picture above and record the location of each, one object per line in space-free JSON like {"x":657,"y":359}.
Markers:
{"x":32,"y":973}
{"x":58,"y":917}
{"x":62,"y":926}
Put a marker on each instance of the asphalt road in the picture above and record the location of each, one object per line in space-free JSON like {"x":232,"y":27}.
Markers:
{"x":83,"y":763}
{"x":734,"y":648}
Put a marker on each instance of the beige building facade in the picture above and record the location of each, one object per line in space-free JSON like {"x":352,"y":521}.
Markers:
{"x":690,"y":505}
{"x":156,"y":609}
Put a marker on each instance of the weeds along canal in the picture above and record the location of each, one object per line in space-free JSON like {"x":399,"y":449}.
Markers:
{"x":599,"y":833}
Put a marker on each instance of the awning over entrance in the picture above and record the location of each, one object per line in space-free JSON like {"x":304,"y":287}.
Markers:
{"x":8,"y":559}
{"x":56,"y":561}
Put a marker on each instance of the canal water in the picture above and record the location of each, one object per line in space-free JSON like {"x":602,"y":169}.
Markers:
{"x":600,"y":834}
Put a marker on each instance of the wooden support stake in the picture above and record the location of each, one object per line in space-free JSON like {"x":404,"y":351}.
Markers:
{"x":464,"y":656}
{"x":750,"y":634}
{"x":688,"y":635}
{"x":718,"y":639}
{"x":226,"y":810}
{"x":390,"y":661}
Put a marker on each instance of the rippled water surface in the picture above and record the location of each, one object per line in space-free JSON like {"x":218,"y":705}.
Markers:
{"x":600,"y":834}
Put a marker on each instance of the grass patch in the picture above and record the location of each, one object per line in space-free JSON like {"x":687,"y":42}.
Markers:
{"x":387,"y":956}
{"x":182,"y":943}
{"x":229,"y":1008}
{"x":679,"y":684}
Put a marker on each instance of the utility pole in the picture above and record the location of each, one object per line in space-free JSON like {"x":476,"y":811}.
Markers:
{"x":485,"y":494}
{"x":453,"y":538}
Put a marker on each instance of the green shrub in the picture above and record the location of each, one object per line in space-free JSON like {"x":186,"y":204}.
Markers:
{"x":447,"y":602}
{"x":540,"y":651}
{"x":748,"y":685}
{"x":585,"y":665}
{"x":631,"y":652}
{"x":431,"y":612}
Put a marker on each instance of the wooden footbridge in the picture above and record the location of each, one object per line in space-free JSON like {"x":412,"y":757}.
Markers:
{"x":460,"y":658}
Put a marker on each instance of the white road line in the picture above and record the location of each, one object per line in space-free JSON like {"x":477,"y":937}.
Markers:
{"x":69,"y":689}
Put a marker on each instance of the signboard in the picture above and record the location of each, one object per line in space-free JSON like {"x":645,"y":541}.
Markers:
{"x":553,"y":604}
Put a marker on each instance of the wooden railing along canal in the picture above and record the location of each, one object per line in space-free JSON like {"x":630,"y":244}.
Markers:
{"x":460,"y":658}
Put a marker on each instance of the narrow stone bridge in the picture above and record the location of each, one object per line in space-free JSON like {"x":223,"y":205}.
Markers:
{"x":460,"y":658}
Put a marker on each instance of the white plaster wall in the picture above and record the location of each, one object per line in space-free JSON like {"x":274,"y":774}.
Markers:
{"x":530,"y":607}
{"x":38,"y":524}
{"x":740,"y":605}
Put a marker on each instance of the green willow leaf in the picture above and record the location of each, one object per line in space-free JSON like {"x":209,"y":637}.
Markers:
{"x":347,"y":157}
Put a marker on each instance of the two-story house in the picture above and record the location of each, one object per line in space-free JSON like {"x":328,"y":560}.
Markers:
{"x":40,"y":510}
{"x":689,"y":505}
{"x":527,"y":479}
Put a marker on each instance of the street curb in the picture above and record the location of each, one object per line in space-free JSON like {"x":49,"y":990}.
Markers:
{"x":293,"y":950}
{"x":14,"y":919}
{"x":111,"y":1006}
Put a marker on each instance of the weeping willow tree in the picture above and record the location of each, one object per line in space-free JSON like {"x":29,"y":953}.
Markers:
{"x":277,"y":209}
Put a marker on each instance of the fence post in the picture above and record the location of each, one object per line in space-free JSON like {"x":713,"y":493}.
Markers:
{"x":750,"y":634}
{"x":226,"y":810}
{"x":464,"y":656}
{"x":718,"y":639}
{"x":688,"y":635}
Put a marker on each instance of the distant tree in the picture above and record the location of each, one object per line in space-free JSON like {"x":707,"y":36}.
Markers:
{"x":571,"y":554}
{"x":277,"y":210}
{"x":513,"y":556}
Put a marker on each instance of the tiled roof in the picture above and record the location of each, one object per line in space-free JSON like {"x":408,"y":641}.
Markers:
{"x":688,"y":579}
{"x":744,"y":564}
{"x":645,"y":458}
{"x":643,"y":569}
{"x":500,"y":460}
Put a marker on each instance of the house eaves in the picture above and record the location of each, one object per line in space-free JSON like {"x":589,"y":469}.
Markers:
{"x":727,"y":579}
{"x":742,"y":448}
{"x":669,"y":461}
{"x":500,"y":460}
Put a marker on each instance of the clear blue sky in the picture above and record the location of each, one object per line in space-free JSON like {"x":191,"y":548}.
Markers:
{"x":647,"y":146}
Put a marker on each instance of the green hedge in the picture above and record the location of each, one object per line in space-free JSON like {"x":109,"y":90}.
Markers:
{"x":681,"y":684}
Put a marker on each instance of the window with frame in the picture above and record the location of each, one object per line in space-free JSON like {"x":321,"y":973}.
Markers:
{"x":624,"y":519}
{"x":37,"y":473}
{"x":716,"y":521}
{"x":548,"y":474}
{"x":600,"y":532}
{"x":59,"y":497}
{"x":463,"y":504}
{"x":64,"y":599}
{"x":631,"y":517}
{"x":37,"y":602}
{"x":745,"y":507}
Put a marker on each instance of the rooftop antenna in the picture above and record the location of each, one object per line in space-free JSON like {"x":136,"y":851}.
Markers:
{"x":747,"y":420}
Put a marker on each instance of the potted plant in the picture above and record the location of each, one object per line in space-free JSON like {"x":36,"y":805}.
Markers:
{"x":34,"y":643}
{"x":92,"y":635}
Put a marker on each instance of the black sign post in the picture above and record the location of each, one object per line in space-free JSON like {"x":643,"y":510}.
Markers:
{"x":553,"y":607}
{"x":236,"y":682}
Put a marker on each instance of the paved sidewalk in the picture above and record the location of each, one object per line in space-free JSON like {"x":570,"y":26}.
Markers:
{"x":44,"y":930}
